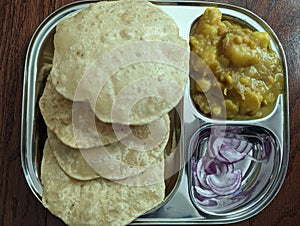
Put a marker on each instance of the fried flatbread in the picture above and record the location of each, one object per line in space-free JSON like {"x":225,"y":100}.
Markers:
{"x":118,"y":161}
{"x":75,"y":124}
{"x":95,"y":202}
{"x":71,"y":160}
{"x":125,"y":58}
{"x":115,"y":161}
{"x":85,"y":131}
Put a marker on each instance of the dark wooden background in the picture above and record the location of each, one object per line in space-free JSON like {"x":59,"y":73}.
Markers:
{"x":19,"y":19}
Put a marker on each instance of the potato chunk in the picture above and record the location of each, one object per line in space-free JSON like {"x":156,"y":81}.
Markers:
{"x":251,"y":104}
{"x":262,"y":39}
{"x":239,"y":54}
{"x":231,"y":108}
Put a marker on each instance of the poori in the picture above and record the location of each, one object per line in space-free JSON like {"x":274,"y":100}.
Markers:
{"x":95,"y":202}
{"x":115,"y":161}
{"x":86,"y":132}
{"x":125,"y":58}
{"x":118,"y":161}
{"x":124,"y":63}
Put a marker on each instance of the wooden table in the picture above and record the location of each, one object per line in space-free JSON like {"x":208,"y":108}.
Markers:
{"x":20,"y":18}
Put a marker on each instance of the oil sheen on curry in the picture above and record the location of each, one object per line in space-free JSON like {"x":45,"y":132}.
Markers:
{"x":238,"y":62}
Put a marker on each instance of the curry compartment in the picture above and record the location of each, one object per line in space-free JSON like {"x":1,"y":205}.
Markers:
{"x":237,"y":69}
{"x":188,"y":125}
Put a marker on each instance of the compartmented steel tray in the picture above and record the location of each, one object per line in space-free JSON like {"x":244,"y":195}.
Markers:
{"x":180,"y":206}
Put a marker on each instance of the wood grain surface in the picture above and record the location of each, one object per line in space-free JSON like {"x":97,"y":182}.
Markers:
{"x":20,"y":18}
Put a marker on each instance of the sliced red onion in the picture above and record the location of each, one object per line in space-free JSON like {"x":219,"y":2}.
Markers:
{"x":205,"y":193}
{"x":194,"y":164}
{"x":201,"y":172}
{"x":227,"y":157}
{"x":196,"y":180}
{"x":228,"y":168}
{"x":244,"y":147}
{"x":228,"y":154}
{"x":229,"y":150}
{"x":213,"y":147}
{"x":215,"y":179}
{"x":210,"y":202}
{"x":224,"y":181}
{"x":207,"y":166}
{"x":206,"y":201}
{"x":225,"y":184}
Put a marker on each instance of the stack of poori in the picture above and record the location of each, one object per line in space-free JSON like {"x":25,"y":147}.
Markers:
{"x":118,"y":69}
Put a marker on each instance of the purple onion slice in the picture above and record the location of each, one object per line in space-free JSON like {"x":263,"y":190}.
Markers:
{"x":225,"y":184}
